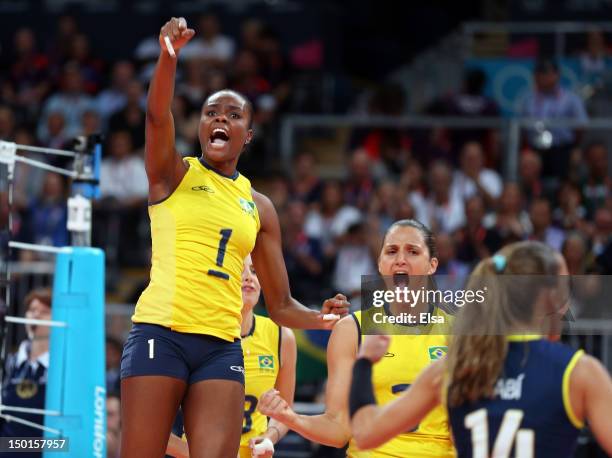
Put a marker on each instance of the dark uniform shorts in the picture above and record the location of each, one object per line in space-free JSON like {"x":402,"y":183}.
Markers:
{"x":156,"y":350}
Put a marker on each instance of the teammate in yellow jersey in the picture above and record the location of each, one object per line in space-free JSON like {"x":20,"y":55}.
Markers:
{"x":184,"y":347}
{"x":408,"y":250}
{"x":269,"y":362}
{"x":509,"y":391}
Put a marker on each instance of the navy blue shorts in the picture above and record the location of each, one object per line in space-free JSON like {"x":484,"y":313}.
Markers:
{"x":156,"y":350}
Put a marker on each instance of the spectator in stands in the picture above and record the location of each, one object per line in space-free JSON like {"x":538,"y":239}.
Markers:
{"x":474,"y":241}
{"x":306,"y":184}
{"x":113,"y":425}
{"x":91,"y":67}
{"x":332,"y":219}
{"x":574,"y":250}
{"x":209,"y":44}
{"x":597,"y":184}
{"x":132,"y":116}
{"x":55,"y":134}
{"x":356,"y":257}
{"x":122,"y":174}
{"x":451,"y":272}
{"x":29,"y":72}
{"x":602,"y":231}
{"x":445,"y":212}
{"x":61,"y":45}
{"x":193,"y":85}
{"x":602,"y":240}
{"x":570,"y":213}
{"x":25,"y":375}
{"x":593,"y":59}
{"x":412,"y":183}
{"x":279,"y":191}
{"x":187,"y":121}
{"x":274,"y":65}
{"x":541,"y":221}
{"x":246,"y":78}
{"x":469,"y":102}
{"x":530,"y":175}
{"x":303,"y":255}
{"x":45,"y":219}
{"x":27,"y":180}
{"x":510,"y":222}
{"x":91,"y":123}
{"x":7,"y":123}
{"x":250,"y":34}
{"x":548,"y":102}
{"x":114,"y":98}
{"x":71,"y":102}
{"x":474,"y":178}
{"x":360,"y":184}
{"x":121,"y":212}
{"x":384,"y":204}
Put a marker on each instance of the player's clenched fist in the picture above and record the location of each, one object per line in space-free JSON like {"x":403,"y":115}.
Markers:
{"x":272,"y":405}
{"x":177,"y":32}
{"x":374,"y":347}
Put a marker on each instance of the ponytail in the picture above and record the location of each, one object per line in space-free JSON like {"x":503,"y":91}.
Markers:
{"x":512,"y":280}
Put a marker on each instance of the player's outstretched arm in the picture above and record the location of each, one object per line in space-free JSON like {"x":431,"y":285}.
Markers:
{"x":373,"y":425}
{"x":270,"y":266}
{"x":330,"y":428}
{"x":591,"y":398}
{"x":164,"y":166}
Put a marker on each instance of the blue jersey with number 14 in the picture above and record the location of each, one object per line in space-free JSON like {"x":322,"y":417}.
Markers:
{"x":530,"y":415}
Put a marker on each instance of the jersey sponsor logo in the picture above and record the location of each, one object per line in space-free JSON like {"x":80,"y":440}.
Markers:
{"x":389,"y":355}
{"x":203,"y":188}
{"x":510,"y":389}
{"x":436,"y":353}
{"x":266,"y":361}
{"x":237,"y":369}
{"x":247,"y":206}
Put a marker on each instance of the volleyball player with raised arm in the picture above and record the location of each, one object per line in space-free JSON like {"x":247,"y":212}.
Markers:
{"x":184,"y":348}
{"x":408,"y":255}
{"x":509,"y":392}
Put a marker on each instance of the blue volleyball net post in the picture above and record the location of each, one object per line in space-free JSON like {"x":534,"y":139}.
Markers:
{"x":76,"y":382}
{"x":76,"y":385}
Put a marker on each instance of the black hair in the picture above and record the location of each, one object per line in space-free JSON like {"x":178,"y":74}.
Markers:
{"x":427,"y":234}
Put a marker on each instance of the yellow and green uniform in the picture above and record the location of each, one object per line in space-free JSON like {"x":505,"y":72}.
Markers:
{"x":407,"y":356}
{"x":262,"y":359}
{"x":201,"y":235}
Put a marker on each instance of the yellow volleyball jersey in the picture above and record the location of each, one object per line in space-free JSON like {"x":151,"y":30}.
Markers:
{"x":407,"y":356}
{"x":261,"y":349}
{"x":201,"y":235}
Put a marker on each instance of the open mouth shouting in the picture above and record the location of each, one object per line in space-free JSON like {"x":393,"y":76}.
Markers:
{"x":401,"y":278}
{"x":219,"y":138}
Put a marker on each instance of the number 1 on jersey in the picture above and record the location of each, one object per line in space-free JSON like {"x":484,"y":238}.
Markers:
{"x":225,"y":236}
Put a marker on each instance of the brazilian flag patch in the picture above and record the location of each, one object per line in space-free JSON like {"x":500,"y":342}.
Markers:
{"x":247,"y":206}
{"x":266,"y":362}
{"x":436,"y":353}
